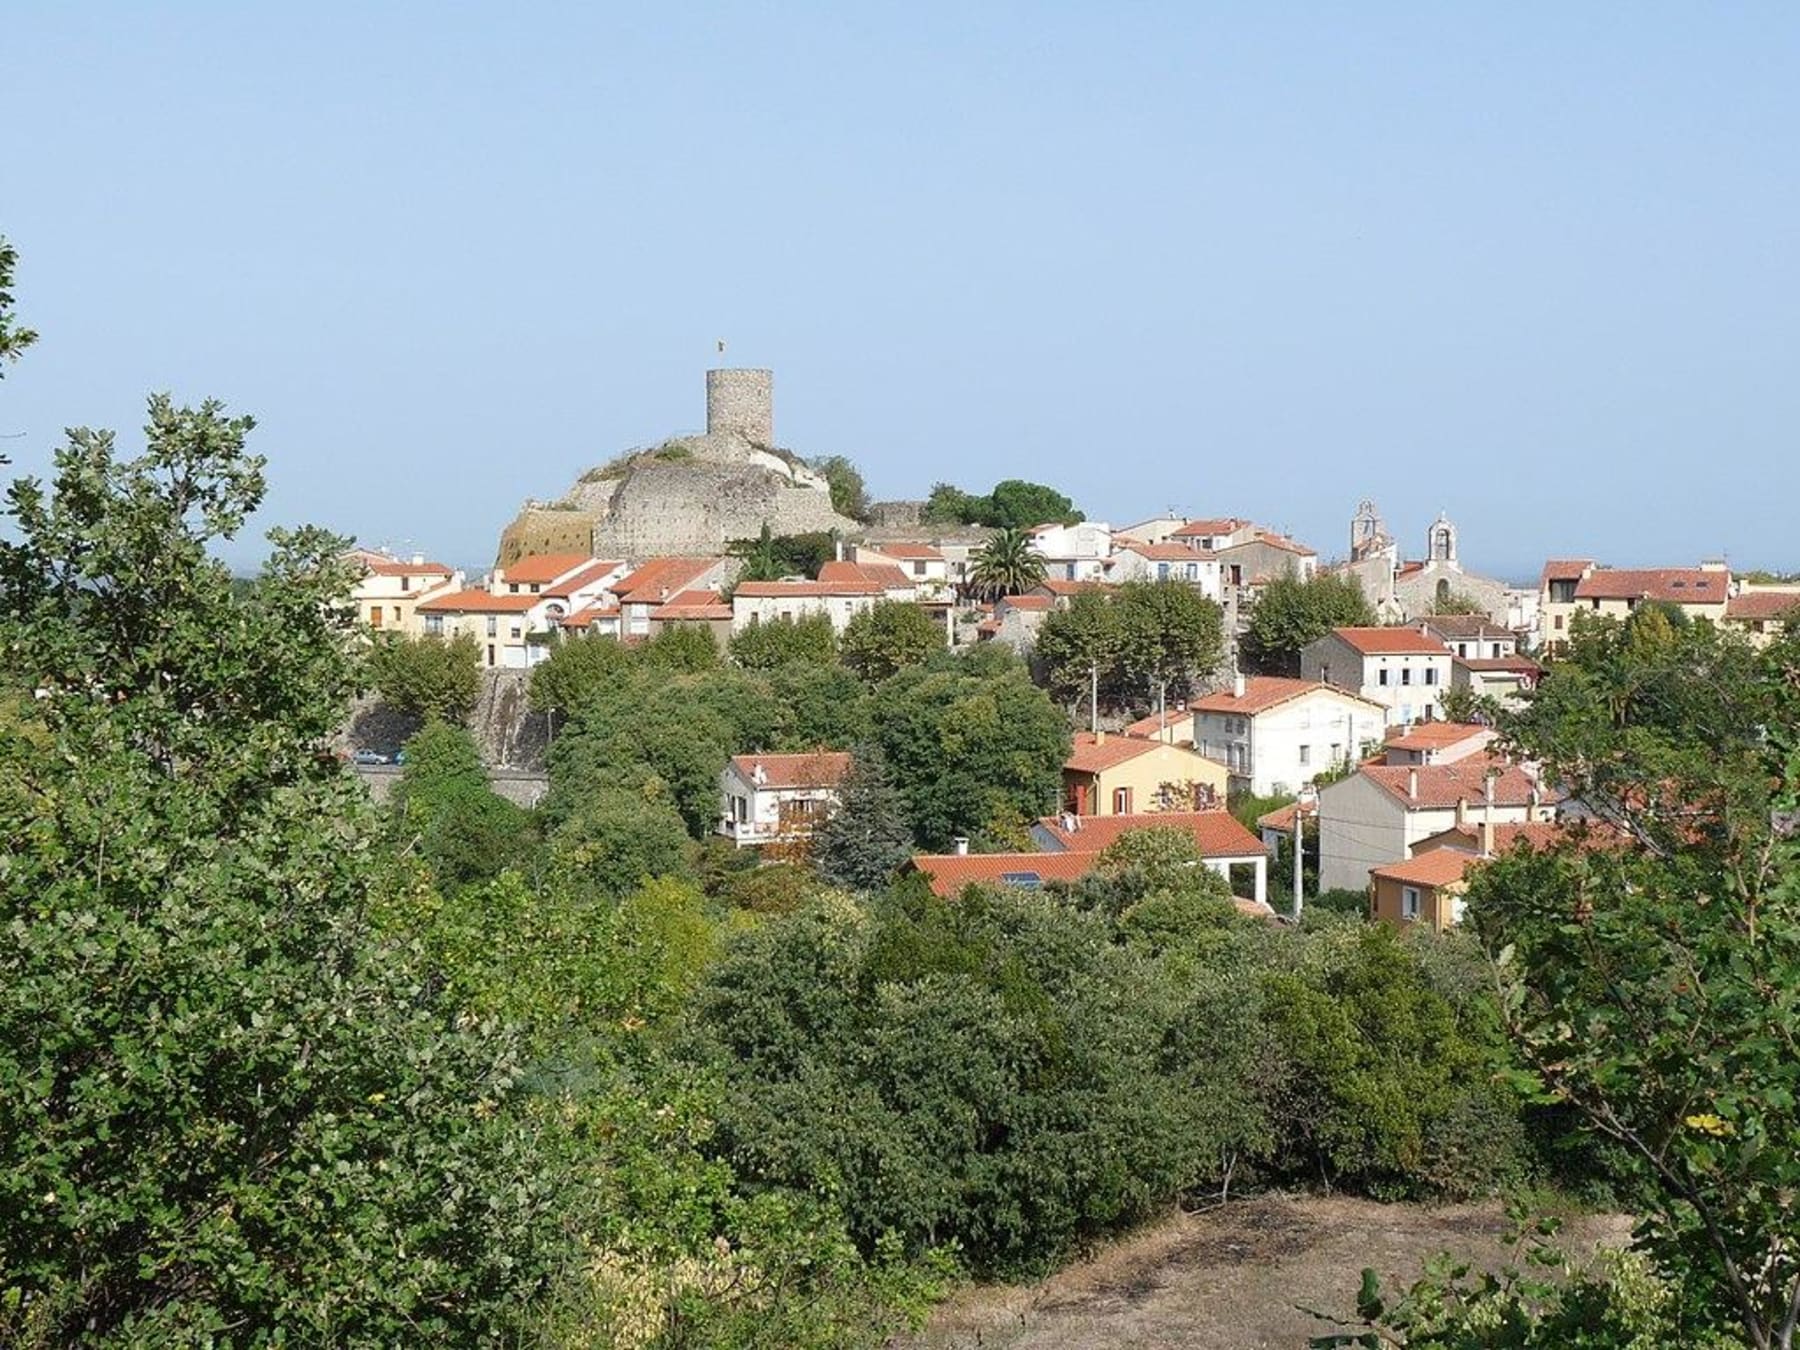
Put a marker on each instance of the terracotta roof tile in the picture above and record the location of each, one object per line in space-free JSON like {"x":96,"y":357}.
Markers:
{"x":692,"y":606}
{"x":1152,"y":727}
{"x":884,"y":575}
{"x":1563,"y":569}
{"x":1391,"y":641}
{"x":660,"y":578}
{"x":821,"y":768}
{"x":393,"y":567}
{"x":768,"y":590}
{"x":1201,"y":529}
{"x":910,"y":552}
{"x":951,"y":873}
{"x":1033,"y":602}
{"x":1262,"y":692}
{"x":1682,"y":585}
{"x":1096,"y":756}
{"x":590,"y":575}
{"x":478,"y":602}
{"x":1753,"y":605}
{"x":541,"y":568}
{"x":1170,"y":553}
{"x":1435,"y":735}
{"x":1438,"y":867}
{"x":1442,"y":786}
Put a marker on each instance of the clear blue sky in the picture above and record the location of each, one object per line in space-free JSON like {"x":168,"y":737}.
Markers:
{"x":1536,"y":264}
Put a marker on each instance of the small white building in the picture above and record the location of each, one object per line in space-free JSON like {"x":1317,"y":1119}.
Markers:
{"x":1402,"y":669}
{"x":1074,"y":552}
{"x":501,"y":625}
{"x":778,"y":799}
{"x":924,"y":564}
{"x":1276,"y":734}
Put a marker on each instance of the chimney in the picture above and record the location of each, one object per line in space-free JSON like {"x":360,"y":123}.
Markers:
{"x":1099,"y":737}
{"x":1412,"y":785}
{"x":1237,"y":685}
{"x":418,"y":559}
{"x":758,"y":774}
{"x":960,"y":846}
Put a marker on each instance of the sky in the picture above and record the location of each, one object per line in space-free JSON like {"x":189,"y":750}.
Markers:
{"x":1536,"y":265}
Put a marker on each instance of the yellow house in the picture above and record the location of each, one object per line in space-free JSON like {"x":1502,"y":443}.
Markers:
{"x":1425,"y":889}
{"x":1113,"y":775}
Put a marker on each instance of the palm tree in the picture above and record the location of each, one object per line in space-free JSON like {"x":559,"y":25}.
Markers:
{"x":1006,"y":565}
{"x":762,"y":560}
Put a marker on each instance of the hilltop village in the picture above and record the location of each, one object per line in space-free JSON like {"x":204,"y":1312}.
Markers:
{"x":1371,"y":735}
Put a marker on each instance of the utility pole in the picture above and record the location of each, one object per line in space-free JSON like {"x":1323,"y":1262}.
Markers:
{"x":1309,"y":796}
{"x":1094,"y":698}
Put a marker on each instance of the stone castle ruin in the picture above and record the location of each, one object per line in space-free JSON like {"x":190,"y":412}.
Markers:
{"x":690,"y":494}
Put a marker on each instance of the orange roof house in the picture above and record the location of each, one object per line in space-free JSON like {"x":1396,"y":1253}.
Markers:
{"x":1108,"y":775}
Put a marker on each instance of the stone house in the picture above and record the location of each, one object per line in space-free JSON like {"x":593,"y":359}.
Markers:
{"x":1111,"y":775}
{"x":1403,"y":670}
{"x":778,"y":799}
{"x":1274,"y":734}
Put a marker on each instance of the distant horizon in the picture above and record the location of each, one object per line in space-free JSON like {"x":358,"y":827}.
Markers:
{"x":1532,"y":267}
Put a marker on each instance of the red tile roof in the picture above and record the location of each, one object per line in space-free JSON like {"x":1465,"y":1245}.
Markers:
{"x":819,"y":768}
{"x":1217,"y":834}
{"x":584,"y":618}
{"x":660,"y":578}
{"x":1282,"y":817}
{"x":478,"y":602}
{"x":951,"y":873}
{"x":1034,"y":602}
{"x":1391,"y":641}
{"x":1262,"y":692}
{"x":1281,"y":541}
{"x":1062,"y":586}
{"x":1682,"y":585}
{"x":1152,"y":727}
{"x":1097,"y":756}
{"x":1563,"y":569}
{"x":1442,"y":786}
{"x":1753,"y":605}
{"x":884,"y":575}
{"x":590,"y":575}
{"x":1201,"y":529}
{"x":1438,"y":867}
{"x":1435,"y":735}
{"x":692,"y":606}
{"x":541,"y":568}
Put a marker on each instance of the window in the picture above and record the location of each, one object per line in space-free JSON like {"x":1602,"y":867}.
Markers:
{"x":434,"y":624}
{"x":1193,"y":571}
{"x":740,"y":808}
{"x":1122,"y":801}
{"x":1305,"y":754}
{"x":1462,"y":649}
{"x":515,"y":632}
{"x":513,"y":587}
{"x":1162,"y":571}
{"x":918,"y":569}
{"x":1381,"y":677}
{"x":405,"y":583}
{"x":1559,"y":619}
{"x":374,"y":616}
{"x":1409,"y":902}
{"x":493,"y":628}
{"x":490,"y":653}
{"x":1405,"y":674}
{"x":1029,"y":881}
{"x":1430,"y":674}
{"x":1337,"y":752}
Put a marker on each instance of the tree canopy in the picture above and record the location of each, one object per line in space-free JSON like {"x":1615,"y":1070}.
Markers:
{"x":1290,"y":613}
{"x":14,"y":337}
{"x":888,"y":637}
{"x":427,"y":676}
{"x":1014,"y":504}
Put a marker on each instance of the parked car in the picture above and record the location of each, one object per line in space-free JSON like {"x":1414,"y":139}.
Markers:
{"x":369,"y":757}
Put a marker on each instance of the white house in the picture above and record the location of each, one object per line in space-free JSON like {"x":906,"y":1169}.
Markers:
{"x":1074,"y":552}
{"x":502,"y":625}
{"x":1400,"y":668}
{"x":1212,"y":535}
{"x":660,"y":580}
{"x":1378,"y":813}
{"x":1276,"y":734}
{"x":1167,"y":562}
{"x":778,"y":799}
{"x":925,"y":564}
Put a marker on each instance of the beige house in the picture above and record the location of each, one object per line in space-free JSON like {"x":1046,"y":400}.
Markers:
{"x":1763,"y":613}
{"x":1435,"y":743}
{"x":924,"y":565}
{"x":1571,"y":586}
{"x":1402,"y":669}
{"x":756,"y":602}
{"x":1428,"y":889}
{"x":1173,"y":561}
{"x":1376,"y":815}
{"x":387,"y":594}
{"x":501,"y":625}
{"x":1112,"y":775}
{"x":640,"y":592}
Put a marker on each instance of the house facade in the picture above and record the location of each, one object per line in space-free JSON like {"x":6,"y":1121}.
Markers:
{"x":1402,"y":669}
{"x":1377,"y":814}
{"x":756,"y":602}
{"x":1172,"y":561}
{"x":1224,"y":845}
{"x":778,"y":799}
{"x":502,"y":626}
{"x":924,"y":565}
{"x":1112,"y":775}
{"x":388,"y":591}
{"x":1074,"y":552}
{"x":1274,"y":734}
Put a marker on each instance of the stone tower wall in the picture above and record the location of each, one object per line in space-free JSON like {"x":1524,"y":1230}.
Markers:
{"x":741,"y":402}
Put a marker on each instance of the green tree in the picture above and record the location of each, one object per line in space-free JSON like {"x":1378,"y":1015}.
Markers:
{"x":950,"y":505}
{"x":969,"y":743}
{"x":1077,"y":644}
{"x":864,"y":842}
{"x":1168,"y":634}
{"x":1018,"y":505}
{"x":232,"y":1112}
{"x":888,"y":637}
{"x":1008,"y":564}
{"x":619,"y":837}
{"x":681,"y":647}
{"x":14,"y":338}
{"x":1457,"y":602}
{"x":427,"y":676}
{"x":821,"y":706}
{"x":770,"y":556}
{"x":1290,"y":613}
{"x":849,"y":495}
{"x":464,"y":829}
{"x":579,"y":671}
{"x":764,"y":646}
{"x":762,"y":560}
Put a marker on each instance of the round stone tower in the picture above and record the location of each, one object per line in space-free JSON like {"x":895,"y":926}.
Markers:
{"x":741,"y":402}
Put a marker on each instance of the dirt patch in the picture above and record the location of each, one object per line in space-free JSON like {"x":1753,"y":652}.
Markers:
{"x":1232,"y":1278}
